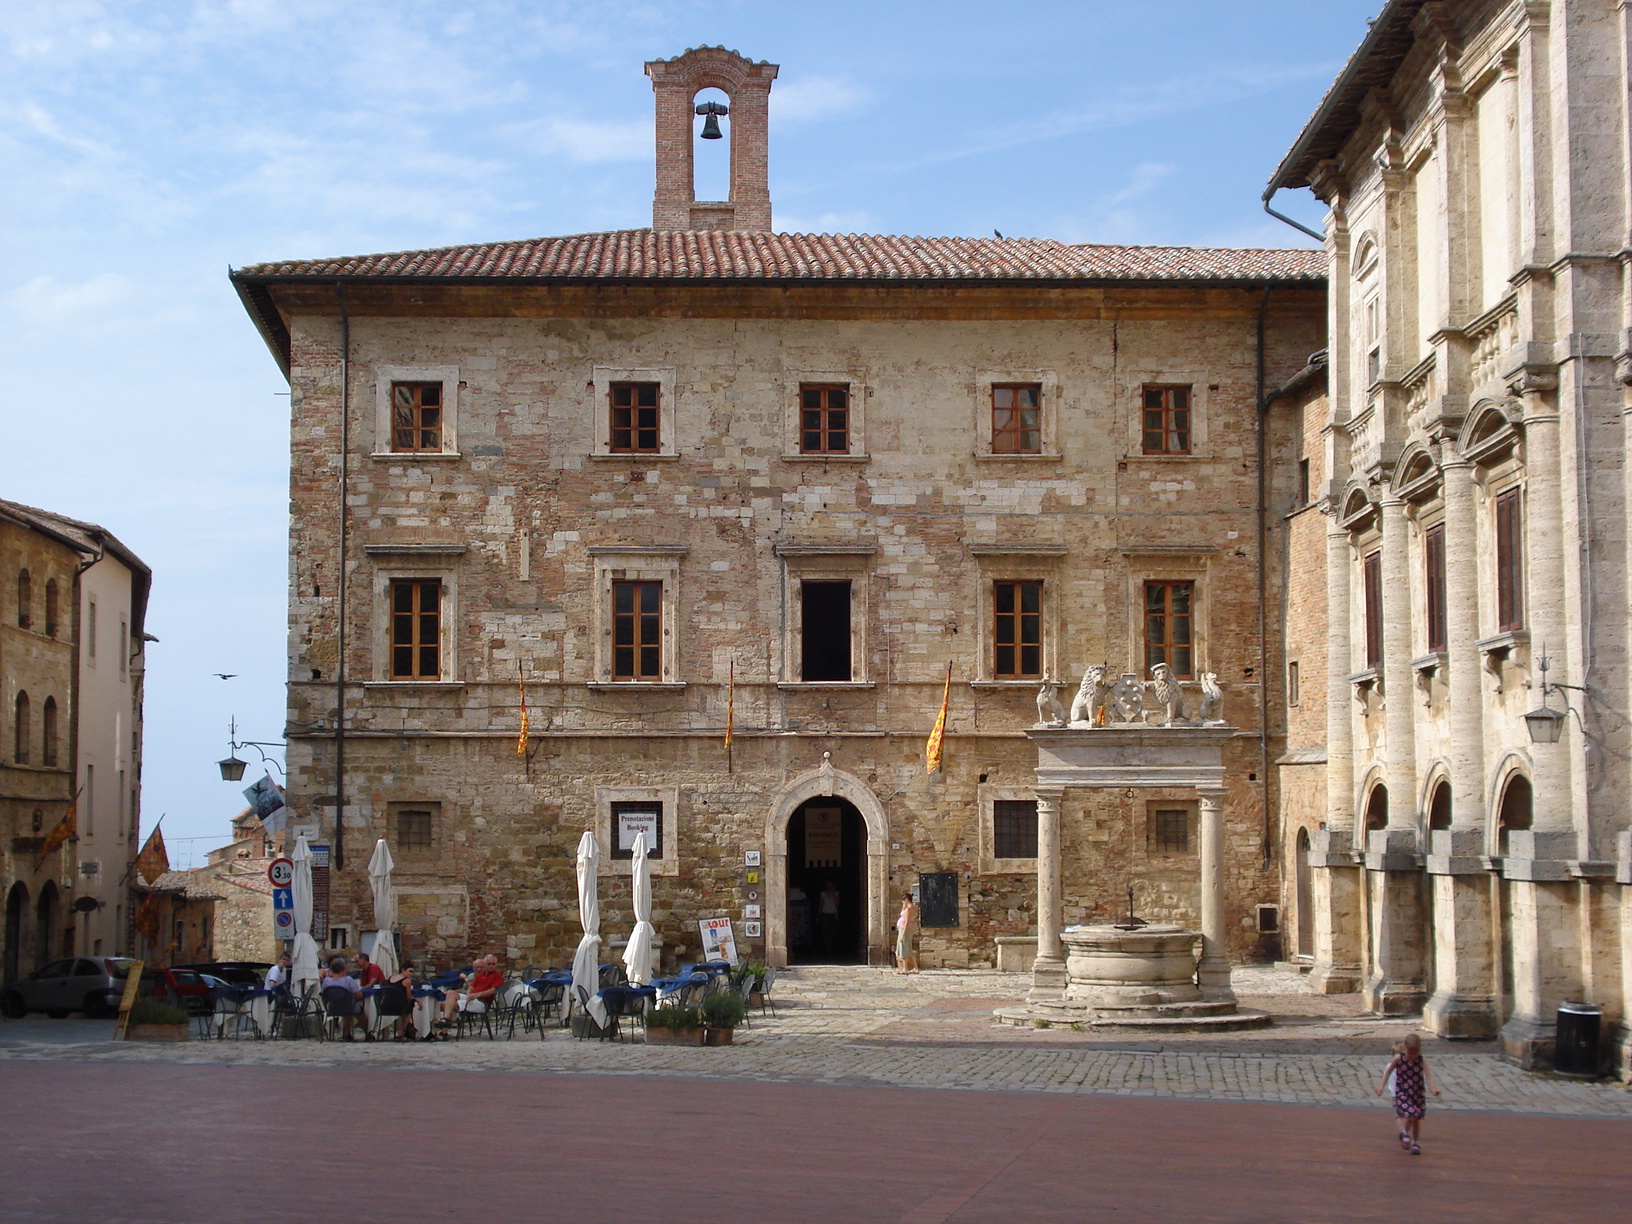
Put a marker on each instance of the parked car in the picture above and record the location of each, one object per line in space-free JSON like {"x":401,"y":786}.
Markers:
{"x":234,"y":973}
{"x":92,"y":985}
{"x":181,"y":988}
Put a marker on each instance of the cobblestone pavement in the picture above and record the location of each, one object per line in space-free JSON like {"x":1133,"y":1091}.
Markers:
{"x":870,"y":1027}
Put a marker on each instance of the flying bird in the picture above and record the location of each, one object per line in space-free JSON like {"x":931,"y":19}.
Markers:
{"x":224,"y":675}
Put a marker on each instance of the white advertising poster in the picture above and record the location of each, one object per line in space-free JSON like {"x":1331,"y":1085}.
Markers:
{"x":718,"y":941}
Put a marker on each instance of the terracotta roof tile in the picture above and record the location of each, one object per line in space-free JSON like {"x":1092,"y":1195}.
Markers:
{"x":693,"y":255}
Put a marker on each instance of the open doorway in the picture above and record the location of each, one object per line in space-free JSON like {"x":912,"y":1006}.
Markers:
{"x":827,"y":883}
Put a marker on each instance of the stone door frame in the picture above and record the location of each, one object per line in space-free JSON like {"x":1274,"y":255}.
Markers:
{"x":826,"y":782}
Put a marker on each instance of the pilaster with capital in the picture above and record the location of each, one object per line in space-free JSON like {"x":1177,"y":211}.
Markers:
{"x":1048,"y":971}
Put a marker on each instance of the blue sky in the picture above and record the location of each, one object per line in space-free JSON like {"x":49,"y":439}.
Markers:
{"x":148,"y":146}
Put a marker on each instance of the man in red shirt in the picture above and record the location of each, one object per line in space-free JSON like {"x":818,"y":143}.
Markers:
{"x":368,"y":973}
{"x":478,"y":994}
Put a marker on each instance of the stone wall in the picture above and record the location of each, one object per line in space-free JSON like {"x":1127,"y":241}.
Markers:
{"x":524,"y":524}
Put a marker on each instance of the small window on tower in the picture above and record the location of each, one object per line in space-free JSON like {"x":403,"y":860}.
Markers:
{"x":824,"y":419}
{"x":1166,"y":421}
{"x":635,"y":418}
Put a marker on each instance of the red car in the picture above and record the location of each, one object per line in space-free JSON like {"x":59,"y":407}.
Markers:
{"x":180,"y":988}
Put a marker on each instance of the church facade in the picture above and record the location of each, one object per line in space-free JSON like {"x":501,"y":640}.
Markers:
{"x":655,"y":485}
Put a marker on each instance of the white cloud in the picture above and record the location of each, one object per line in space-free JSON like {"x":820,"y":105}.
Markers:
{"x":855,"y":222}
{"x":587,"y":140}
{"x":816,"y":97}
{"x":48,"y":296}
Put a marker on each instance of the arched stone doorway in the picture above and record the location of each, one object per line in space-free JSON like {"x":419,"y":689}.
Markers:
{"x":1377,"y":808}
{"x":1514,"y":813}
{"x":1439,"y":807}
{"x":45,"y":923}
{"x":827,"y":883}
{"x":870,"y":833}
{"x":1304,"y":896}
{"x":16,"y":911}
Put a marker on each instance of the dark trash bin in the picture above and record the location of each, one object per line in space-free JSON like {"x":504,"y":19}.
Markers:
{"x":1576,"y":1048}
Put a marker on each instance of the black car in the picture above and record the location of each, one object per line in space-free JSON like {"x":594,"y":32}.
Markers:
{"x":234,"y":973}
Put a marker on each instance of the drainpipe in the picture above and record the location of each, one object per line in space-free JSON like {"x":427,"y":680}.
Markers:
{"x":1263,"y":568}
{"x":1297,"y":225}
{"x":78,"y":596}
{"x":339,"y":851}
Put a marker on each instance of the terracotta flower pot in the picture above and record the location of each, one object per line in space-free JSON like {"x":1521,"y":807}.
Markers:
{"x":668,"y":1036}
{"x":156,"y":1032}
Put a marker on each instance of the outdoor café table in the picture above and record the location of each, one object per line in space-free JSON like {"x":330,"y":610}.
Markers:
{"x":715,"y":968}
{"x":427,"y":1007}
{"x":256,"y":1002}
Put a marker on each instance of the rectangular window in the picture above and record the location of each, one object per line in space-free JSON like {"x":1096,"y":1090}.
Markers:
{"x":1170,"y":831}
{"x":1292,"y":694}
{"x":1509,"y":563}
{"x":90,"y":631}
{"x":1166,"y":422}
{"x":637,"y":630}
{"x":1372,"y":576}
{"x":824,"y":624}
{"x":824,"y":419}
{"x":632,"y":817}
{"x":1014,"y":828}
{"x":1433,"y":557}
{"x":635,"y":409}
{"x":416,"y":417}
{"x":416,"y":629}
{"x":1169,"y":627}
{"x":1017,"y":419}
{"x":1017,"y":630}
{"x":1303,"y":482}
{"x":124,"y":647}
{"x":414,"y":828}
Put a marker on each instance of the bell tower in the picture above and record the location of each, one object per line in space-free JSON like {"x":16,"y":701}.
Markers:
{"x":747,"y":86}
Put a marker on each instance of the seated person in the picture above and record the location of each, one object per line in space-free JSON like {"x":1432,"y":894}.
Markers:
{"x":278,"y":975}
{"x":369,"y":974}
{"x":478,"y":995}
{"x":396,"y":998}
{"x":335,"y":978}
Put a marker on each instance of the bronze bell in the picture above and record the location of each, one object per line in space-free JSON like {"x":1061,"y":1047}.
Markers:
{"x":711,"y":123}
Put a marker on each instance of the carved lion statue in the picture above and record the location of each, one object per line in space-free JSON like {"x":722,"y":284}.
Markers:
{"x":1092,"y":694}
{"x":1050,"y":713}
{"x":1168,"y":692}
{"x":1212,"y":698}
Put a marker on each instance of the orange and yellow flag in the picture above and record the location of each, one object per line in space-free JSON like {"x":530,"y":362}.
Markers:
{"x":66,"y":830}
{"x":151,"y":860}
{"x":521,"y":738}
{"x":730,"y":705}
{"x":147,"y":921}
{"x":937,"y":737}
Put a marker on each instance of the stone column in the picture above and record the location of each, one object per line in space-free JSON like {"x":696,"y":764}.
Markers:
{"x":1213,"y":974}
{"x":1463,"y":1002}
{"x":1048,"y":973}
{"x":1546,"y":949}
{"x":1333,"y":876}
{"x":1397,"y":984}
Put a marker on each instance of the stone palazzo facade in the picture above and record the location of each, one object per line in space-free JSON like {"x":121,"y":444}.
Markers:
{"x":658,"y":483}
{"x":1467,"y":516}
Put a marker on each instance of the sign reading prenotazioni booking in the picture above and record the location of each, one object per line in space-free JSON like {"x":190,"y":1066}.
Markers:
{"x":718,"y":941}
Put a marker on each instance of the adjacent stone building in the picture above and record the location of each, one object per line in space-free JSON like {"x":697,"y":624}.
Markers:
{"x":1471,"y":467}
{"x":661,"y":483}
{"x":71,"y":666}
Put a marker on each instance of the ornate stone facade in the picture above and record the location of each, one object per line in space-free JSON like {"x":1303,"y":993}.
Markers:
{"x":1471,"y":466}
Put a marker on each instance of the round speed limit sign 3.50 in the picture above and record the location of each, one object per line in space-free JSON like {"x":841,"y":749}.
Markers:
{"x":281,"y":872}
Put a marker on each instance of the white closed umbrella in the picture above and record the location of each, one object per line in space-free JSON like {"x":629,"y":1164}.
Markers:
{"x":385,"y":907}
{"x":586,"y":962}
{"x":637,"y":957}
{"x":303,"y":958}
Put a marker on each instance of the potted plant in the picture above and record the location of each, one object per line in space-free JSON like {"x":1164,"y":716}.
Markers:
{"x":722,"y":1013}
{"x":672,"y":1024}
{"x":150,"y":1020}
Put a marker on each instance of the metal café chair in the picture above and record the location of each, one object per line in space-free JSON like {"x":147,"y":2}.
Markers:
{"x":765,"y":992}
{"x":513,"y":1002}
{"x":549,"y":999}
{"x":291,"y":1012}
{"x":338,"y":1003}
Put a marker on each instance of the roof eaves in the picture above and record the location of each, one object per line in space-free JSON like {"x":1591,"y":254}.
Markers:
{"x":264,"y":314}
{"x":1378,"y":51}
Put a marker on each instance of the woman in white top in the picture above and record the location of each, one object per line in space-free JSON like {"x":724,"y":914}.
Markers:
{"x":906,"y":926}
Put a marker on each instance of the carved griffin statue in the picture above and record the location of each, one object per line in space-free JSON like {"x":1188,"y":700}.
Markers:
{"x":1092,"y":694}
{"x":1050,"y":713}
{"x":1212,"y":698}
{"x":1168,"y":692}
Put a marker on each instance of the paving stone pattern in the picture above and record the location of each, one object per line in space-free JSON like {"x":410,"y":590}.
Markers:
{"x":861,"y":1026}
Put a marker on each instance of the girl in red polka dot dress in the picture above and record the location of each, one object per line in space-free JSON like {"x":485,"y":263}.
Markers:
{"x":1412,"y":1082}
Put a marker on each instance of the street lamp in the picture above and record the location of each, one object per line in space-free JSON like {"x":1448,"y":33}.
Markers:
{"x":232,"y":769}
{"x":1545,"y":723}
